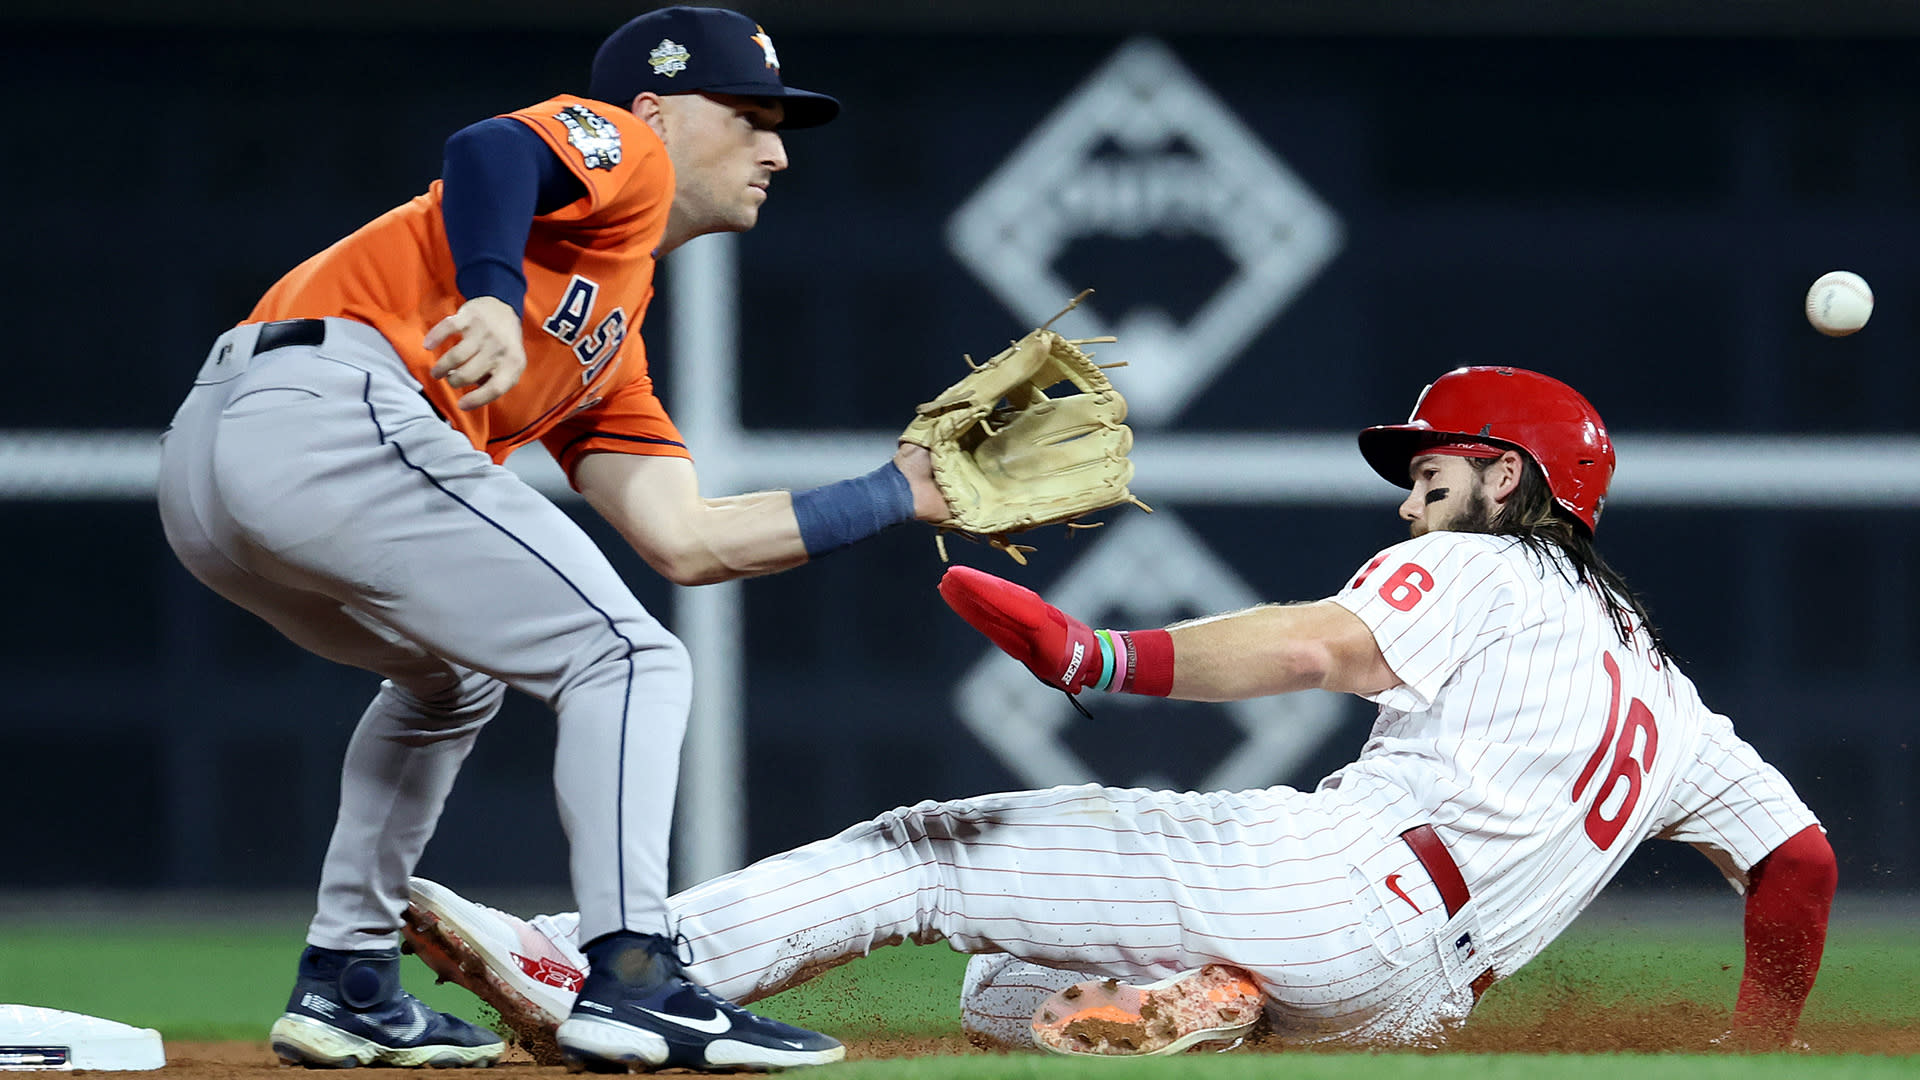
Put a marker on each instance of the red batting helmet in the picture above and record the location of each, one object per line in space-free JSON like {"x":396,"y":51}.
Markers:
{"x":1509,"y":408}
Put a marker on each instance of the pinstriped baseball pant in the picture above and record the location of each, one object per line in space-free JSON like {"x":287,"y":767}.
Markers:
{"x":1090,"y":881}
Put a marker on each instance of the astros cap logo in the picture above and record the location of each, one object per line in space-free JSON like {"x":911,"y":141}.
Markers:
{"x":761,"y":39}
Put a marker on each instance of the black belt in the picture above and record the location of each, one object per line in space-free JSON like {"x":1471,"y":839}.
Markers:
{"x":1446,"y":877}
{"x":288,"y":332}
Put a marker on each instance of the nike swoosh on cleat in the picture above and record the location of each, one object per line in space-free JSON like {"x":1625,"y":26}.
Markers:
{"x":713,"y":1025}
{"x":411,"y":1031}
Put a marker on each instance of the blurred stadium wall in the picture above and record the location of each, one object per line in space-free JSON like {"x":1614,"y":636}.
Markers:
{"x":1295,"y":215}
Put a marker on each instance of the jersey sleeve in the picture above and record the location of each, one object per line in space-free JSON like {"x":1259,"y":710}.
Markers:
{"x":1730,"y":804}
{"x":632,"y":421}
{"x":1431,"y":603}
{"x":618,"y":158}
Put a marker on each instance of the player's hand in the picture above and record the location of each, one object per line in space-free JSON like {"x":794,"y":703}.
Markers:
{"x":1059,"y":649}
{"x":916,"y":464}
{"x":490,"y":353}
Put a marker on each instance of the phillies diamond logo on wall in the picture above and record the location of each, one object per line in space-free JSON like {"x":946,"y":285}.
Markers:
{"x":1141,"y":150}
{"x":1144,"y":571}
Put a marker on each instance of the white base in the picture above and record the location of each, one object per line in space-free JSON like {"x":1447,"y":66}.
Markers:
{"x":36,"y":1038}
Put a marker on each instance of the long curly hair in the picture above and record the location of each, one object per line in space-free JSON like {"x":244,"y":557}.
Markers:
{"x":1531,"y":516}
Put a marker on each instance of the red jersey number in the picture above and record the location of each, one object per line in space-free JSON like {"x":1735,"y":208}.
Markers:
{"x":1406,"y":587}
{"x":1371,"y":567}
{"x":1604,"y":828}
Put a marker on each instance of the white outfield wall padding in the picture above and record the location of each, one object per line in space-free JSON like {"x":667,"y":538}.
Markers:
{"x":1701,"y":471}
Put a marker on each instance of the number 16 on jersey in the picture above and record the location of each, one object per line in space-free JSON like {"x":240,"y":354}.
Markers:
{"x":1619,"y":792}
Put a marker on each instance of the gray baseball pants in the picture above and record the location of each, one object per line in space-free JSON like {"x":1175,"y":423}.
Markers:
{"x":315,"y":487}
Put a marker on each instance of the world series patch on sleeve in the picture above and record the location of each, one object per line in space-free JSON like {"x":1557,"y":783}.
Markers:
{"x":1008,"y":458}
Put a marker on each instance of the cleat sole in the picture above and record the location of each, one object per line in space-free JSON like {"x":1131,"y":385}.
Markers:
{"x":301,"y":1040}
{"x":1108,"y":1018}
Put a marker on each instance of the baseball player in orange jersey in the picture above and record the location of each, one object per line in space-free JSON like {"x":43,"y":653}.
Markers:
{"x":336,"y":470}
{"x":1533,"y":731}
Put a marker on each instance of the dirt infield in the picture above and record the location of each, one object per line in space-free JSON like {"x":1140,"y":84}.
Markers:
{"x":1680,"y":1028}
{"x":240,"y":1060}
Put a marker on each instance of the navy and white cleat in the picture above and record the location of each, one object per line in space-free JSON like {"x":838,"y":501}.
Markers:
{"x":347,"y":1009}
{"x":639,"y":1011}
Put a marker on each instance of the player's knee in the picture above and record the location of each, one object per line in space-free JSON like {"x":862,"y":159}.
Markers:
{"x":663,"y":660}
{"x":658,"y":668}
{"x":450,"y":707}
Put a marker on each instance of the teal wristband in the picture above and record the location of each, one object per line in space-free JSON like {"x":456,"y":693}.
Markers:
{"x":1106,"y":660}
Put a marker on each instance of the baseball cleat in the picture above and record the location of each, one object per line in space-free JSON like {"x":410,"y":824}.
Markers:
{"x":639,"y":1011}
{"x":347,"y":1009}
{"x":502,"y":959}
{"x":1106,"y":1017}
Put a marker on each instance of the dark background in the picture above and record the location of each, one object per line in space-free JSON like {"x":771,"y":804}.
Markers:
{"x":1634,"y":202}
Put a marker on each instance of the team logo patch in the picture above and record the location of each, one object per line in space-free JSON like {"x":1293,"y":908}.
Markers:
{"x":761,"y":39}
{"x":593,"y":135}
{"x":552,"y":972}
{"x":669,"y":58}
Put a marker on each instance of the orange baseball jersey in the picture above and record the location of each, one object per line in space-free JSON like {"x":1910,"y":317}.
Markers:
{"x":589,"y":269}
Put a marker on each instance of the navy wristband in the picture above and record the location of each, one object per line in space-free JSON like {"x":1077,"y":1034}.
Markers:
{"x":836,"y":515}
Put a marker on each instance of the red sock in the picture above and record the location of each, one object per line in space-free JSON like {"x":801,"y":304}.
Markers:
{"x":1788,"y":896}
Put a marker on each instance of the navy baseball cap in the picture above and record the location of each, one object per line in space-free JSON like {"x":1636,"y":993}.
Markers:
{"x":685,"y":50}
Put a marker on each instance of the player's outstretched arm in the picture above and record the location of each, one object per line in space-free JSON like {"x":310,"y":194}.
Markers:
{"x":1253,"y":653}
{"x":1789,"y":894}
{"x":1277,"y":649}
{"x":656,"y":505}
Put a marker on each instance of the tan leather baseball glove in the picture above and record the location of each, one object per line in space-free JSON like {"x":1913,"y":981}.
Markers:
{"x":1009,"y":458}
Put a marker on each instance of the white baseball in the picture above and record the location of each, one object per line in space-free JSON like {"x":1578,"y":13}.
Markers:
{"x":1839,"y":303}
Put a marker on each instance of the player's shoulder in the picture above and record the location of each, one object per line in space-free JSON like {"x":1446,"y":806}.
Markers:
{"x":1455,"y":546}
{"x":1482,"y":556}
{"x":600,"y":135}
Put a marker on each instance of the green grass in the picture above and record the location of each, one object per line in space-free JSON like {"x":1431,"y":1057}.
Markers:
{"x":1868,"y":975}
{"x":230,"y":982}
{"x":190,"y":982}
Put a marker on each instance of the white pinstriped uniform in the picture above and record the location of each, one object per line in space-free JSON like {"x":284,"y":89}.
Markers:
{"x":1516,"y":689}
{"x":1510,"y":674}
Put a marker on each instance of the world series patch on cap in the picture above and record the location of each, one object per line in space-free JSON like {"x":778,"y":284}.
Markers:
{"x":690,"y":50}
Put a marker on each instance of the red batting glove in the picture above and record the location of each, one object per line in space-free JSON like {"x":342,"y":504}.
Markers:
{"x":1059,"y":649}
